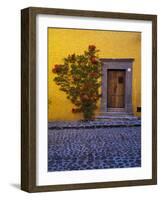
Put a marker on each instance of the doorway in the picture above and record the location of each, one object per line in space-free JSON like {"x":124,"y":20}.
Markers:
{"x":116,"y":86}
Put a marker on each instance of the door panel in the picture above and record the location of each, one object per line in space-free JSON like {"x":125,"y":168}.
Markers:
{"x":116,"y":89}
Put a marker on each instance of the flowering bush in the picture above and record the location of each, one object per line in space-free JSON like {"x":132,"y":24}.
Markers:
{"x":79,"y":78}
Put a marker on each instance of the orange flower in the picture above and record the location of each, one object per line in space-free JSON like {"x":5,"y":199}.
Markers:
{"x":73,"y":56}
{"x":56,"y":69}
{"x":94,"y":60}
{"x":91,"y":47}
{"x":74,"y":110}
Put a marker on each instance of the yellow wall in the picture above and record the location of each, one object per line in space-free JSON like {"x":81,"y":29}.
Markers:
{"x":62,"y":42}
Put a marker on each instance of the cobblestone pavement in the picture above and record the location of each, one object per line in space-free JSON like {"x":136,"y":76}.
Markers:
{"x":94,"y":148}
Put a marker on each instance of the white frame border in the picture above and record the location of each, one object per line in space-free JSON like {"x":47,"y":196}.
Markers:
{"x":103,"y":175}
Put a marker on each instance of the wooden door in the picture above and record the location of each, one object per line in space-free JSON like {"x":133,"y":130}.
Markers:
{"x":116,"y":89}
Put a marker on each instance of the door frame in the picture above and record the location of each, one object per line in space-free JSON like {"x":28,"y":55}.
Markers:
{"x":117,"y":64}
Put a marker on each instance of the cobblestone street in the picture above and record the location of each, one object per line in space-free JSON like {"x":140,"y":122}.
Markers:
{"x":94,"y":148}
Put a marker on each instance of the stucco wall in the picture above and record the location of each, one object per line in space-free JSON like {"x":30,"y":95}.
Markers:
{"x":62,"y":42}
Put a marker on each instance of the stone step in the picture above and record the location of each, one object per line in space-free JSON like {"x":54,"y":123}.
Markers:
{"x":114,"y":114}
{"x":117,"y":117}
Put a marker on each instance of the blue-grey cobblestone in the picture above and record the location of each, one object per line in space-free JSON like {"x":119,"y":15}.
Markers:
{"x":94,"y":148}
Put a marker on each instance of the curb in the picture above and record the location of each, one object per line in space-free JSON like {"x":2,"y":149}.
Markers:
{"x":93,"y":126}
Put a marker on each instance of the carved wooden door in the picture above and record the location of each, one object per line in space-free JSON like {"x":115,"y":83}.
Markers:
{"x":116,"y":89}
